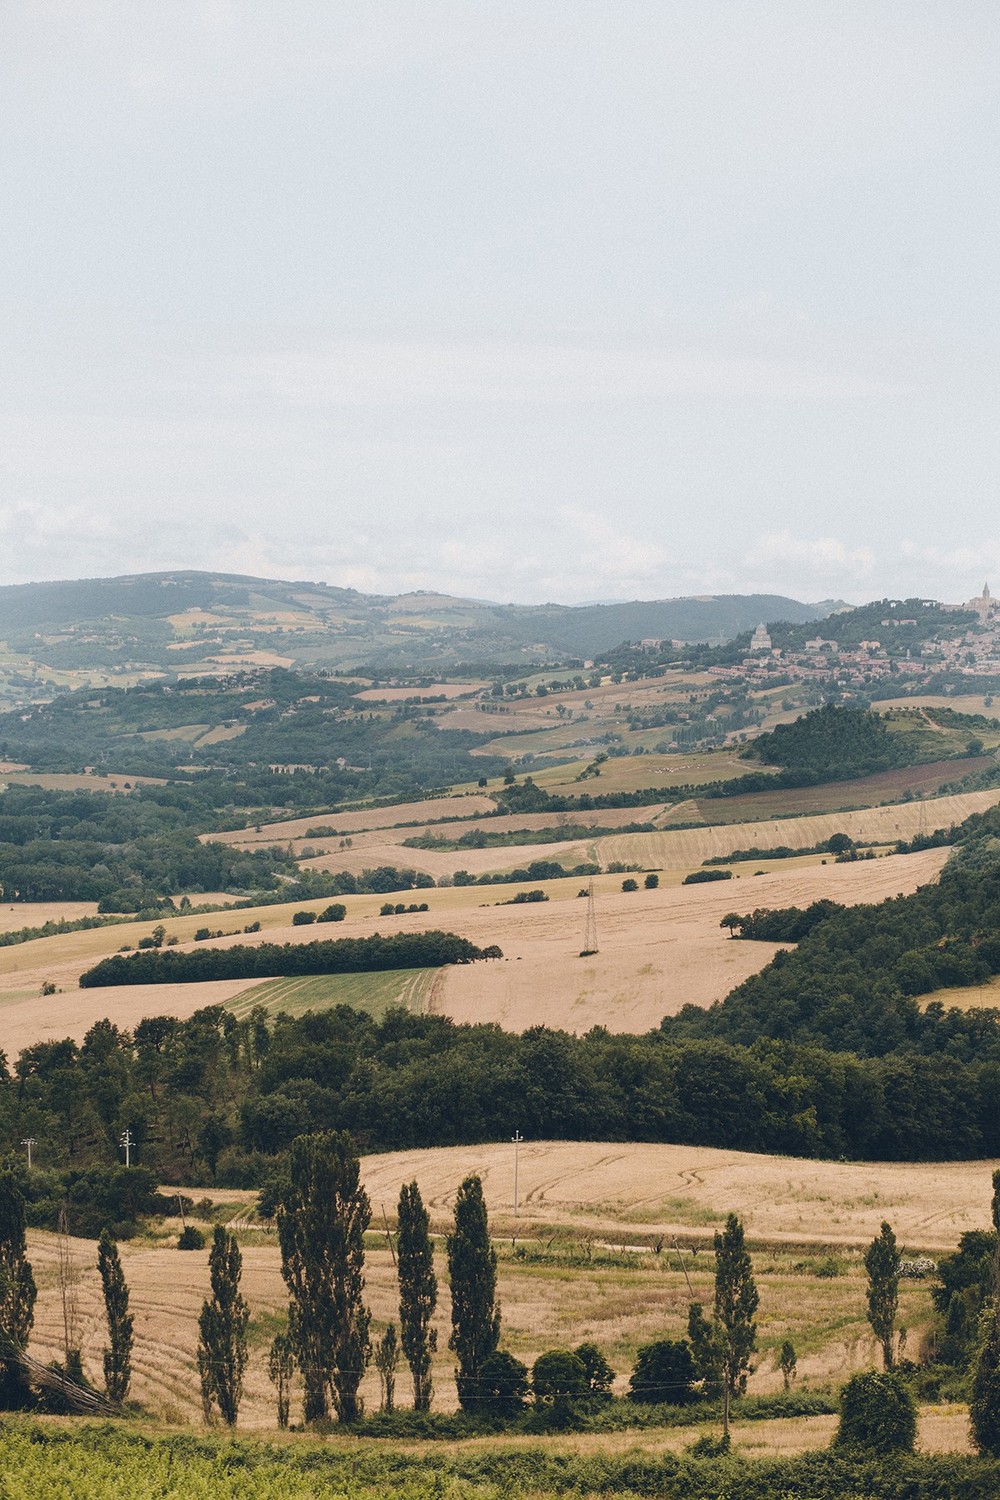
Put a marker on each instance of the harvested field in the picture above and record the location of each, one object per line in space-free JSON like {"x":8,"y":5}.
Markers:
{"x":605,"y":817}
{"x":398,"y":815}
{"x":867,"y":791}
{"x":659,"y":950}
{"x":562,"y":1288}
{"x":636,"y":1193}
{"x":66,"y":781}
{"x":27,"y":1017}
{"x":37,"y":913}
{"x":440,"y":863}
{"x":448,"y":690}
{"x":688,"y":847}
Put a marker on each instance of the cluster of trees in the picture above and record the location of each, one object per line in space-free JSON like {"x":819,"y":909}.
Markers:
{"x":401,"y":950}
{"x":851,"y":982}
{"x":832,"y":744}
{"x":217,"y":1099}
{"x":123,"y":851}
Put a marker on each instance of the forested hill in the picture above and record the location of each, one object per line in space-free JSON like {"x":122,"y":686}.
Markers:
{"x":851,"y":982}
{"x":171,"y":621}
{"x":830,"y":743}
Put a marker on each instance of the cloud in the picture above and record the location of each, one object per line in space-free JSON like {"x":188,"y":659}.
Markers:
{"x":823,"y":558}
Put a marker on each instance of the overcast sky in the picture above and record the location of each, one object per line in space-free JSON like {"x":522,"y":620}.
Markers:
{"x":534,"y":300}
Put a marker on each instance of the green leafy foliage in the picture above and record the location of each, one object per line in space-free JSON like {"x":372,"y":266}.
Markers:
{"x":475,"y":1312}
{"x":417,"y":1291}
{"x":118,"y":1352}
{"x":878,"y":1414}
{"x":882,"y":1260}
{"x":322,"y":1218}
{"x":664,"y":1372}
{"x":222,"y":1330}
{"x":267,"y":960}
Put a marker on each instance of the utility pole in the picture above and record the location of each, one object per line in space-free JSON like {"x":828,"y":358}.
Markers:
{"x":29,"y":1141}
{"x":127,"y":1142}
{"x":516,"y":1139}
{"x":590,"y":927}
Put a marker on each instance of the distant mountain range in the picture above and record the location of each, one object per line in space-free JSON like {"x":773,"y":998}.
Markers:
{"x":108,"y":628}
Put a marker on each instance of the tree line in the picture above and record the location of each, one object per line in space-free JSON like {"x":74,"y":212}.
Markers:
{"x":216,"y":1099}
{"x":401,"y":950}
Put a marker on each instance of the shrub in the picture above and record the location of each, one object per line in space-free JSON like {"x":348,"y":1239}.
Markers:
{"x":651,"y":882}
{"x":335,"y":912}
{"x":600,"y":1375}
{"x":630,"y":885}
{"x":303,"y":918}
{"x":878,"y":1413}
{"x":190,"y":1238}
{"x":503,"y":1384}
{"x":557,"y":1372}
{"x":701,"y":877}
{"x":664,"y":1372}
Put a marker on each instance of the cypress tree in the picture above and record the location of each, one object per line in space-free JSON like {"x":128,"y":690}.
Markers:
{"x":118,"y":1356}
{"x":882,"y":1260}
{"x":17,"y":1292}
{"x":322,"y":1220}
{"x":475,"y":1313}
{"x":736,"y":1301}
{"x":984,"y":1408}
{"x":222,"y":1328}
{"x":417,"y":1292}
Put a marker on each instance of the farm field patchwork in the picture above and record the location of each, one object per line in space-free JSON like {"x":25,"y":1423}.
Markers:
{"x":658,"y":951}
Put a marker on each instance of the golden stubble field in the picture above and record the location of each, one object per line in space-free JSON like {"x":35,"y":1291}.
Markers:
{"x":658,"y":950}
{"x":563,"y":1277}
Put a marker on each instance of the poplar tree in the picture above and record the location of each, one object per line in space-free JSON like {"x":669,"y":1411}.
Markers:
{"x":118,"y":1354}
{"x":386,"y":1363}
{"x":475,"y":1313}
{"x":417,"y":1292}
{"x":222,"y":1328}
{"x":882,"y":1260}
{"x":322,"y":1219}
{"x":736,"y":1301}
{"x":281,"y":1369}
{"x":17,"y":1292}
{"x":984,"y":1407}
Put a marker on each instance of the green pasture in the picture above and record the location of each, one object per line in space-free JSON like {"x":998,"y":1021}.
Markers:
{"x":372,"y":993}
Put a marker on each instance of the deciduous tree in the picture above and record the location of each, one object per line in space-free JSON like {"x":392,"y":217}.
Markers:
{"x":736,"y":1301}
{"x":222,"y":1328}
{"x":417,"y":1292}
{"x":984,"y":1408}
{"x":17,"y":1291}
{"x":322,"y":1219}
{"x":882,"y":1260}
{"x":475,"y":1313}
{"x":118,"y":1354}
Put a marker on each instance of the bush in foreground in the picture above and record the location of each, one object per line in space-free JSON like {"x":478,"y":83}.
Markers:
{"x":877,"y":1414}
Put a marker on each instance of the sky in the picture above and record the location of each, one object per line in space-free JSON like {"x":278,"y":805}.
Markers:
{"x":541,"y":300}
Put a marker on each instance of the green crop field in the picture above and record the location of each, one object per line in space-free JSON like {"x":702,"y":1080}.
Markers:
{"x":372,"y":993}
